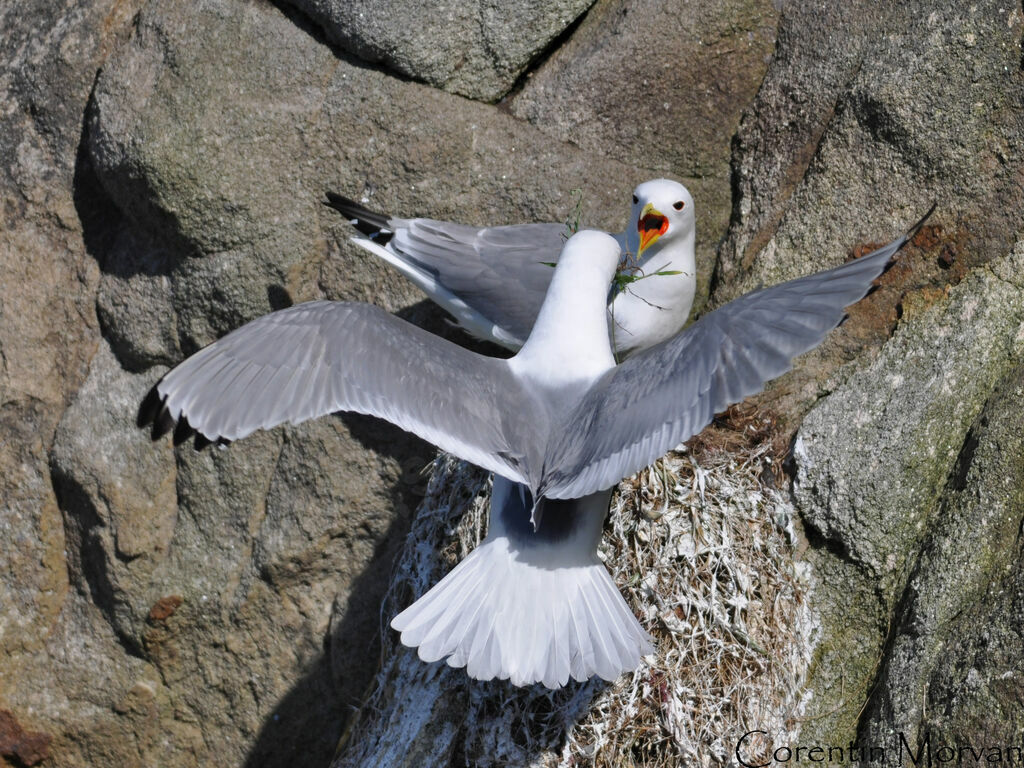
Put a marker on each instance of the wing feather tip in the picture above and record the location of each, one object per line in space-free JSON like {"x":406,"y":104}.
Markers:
{"x":912,"y":232}
{"x":182,"y":431}
{"x":162,"y":422}
{"x":149,"y":408}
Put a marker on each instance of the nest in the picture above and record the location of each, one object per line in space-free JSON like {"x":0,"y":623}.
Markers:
{"x":703,"y":554}
{"x":702,"y":550}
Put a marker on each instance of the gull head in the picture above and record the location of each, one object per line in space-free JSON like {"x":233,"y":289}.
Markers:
{"x":662,"y":213}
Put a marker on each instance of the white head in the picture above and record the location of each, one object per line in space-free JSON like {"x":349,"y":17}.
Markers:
{"x":662,"y":214}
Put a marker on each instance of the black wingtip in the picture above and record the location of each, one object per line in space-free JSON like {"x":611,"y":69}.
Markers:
{"x":202,"y":442}
{"x":370,"y":223}
{"x":162,"y":422}
{"x":917,"y":227}
{"x":182,"y":431}
{"x":340,"y":203}
{"x":149,"y":408}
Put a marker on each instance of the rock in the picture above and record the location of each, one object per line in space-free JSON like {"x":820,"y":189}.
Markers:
{"x":118,"y":495}
{"x":850,"y":149}
{"x":417,"y":711}
{"x":973,"y":693}
{"x":135,"y":302}
{"x":836,"y":155}
{"x":27,"y":747}
{"x":876,"y":131}
{"x":194,"y":558}
{"x":951,"y":639}
{"x":475,"y":49}
{"x":873,"y":458}
{"x":665,"y":93}
{"x":197,"y":190}
{"x":48,"y":328}
{"x":58,"y":656}
{"x":873,"y":474}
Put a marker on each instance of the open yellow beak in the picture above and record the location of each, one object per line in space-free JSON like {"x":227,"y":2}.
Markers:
{"x":651,"y":225}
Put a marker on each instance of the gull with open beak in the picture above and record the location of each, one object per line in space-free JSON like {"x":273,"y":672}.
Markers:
{"x":493,"y":279}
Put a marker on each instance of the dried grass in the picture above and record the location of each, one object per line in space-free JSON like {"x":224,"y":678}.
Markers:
{"x":703,"y":554}
{"x":701,"y":548}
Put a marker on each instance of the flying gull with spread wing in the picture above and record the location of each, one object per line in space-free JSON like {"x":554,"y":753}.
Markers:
{"x":559,"y":424}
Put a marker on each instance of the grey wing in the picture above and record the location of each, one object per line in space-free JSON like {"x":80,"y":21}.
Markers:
{"x":316,"y":358}
{"x":669,"y":392}
{"x":499,"y":272}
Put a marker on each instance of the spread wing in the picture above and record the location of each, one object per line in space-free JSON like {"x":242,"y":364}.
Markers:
{"x":316,"y":358}
{"x":669,"y":392}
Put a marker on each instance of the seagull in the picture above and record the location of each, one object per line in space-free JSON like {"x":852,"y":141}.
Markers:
{"x":559,"y":424}
{"x":493,"y":279}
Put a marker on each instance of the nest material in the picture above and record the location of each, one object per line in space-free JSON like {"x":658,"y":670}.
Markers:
{"x":702,"y":552}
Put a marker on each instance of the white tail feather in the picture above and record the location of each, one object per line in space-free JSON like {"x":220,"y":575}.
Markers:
{"x":503,"y":617}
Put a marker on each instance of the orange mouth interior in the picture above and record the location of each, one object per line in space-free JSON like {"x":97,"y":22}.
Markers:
{"x":651,"y":227}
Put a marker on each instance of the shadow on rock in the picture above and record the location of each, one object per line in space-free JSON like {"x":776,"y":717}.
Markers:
{"x":308,"y":722}
{"x":134,"y":302}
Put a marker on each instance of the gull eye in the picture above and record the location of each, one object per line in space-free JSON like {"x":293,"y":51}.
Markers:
{"x":678,"y":205}
{"x":635,"y":199}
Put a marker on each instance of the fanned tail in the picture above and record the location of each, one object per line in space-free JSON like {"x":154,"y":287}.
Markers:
{"x":502,"y":617}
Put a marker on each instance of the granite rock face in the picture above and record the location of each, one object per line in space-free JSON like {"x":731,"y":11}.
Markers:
{"x":955,"y":637}
{"x":923,"y":532}
{"x":476,"y":49}
{"x":163,"y":166}
{"x":902,"y":419}
{"x":49,"y":633}
{"x":877,"y":112}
